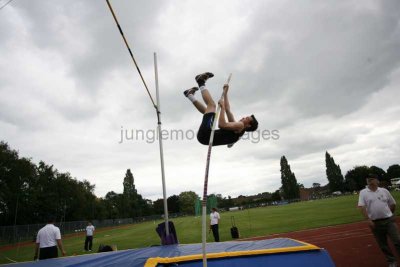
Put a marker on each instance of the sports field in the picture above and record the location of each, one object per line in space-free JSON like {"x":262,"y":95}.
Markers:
{"x":251,"y":223}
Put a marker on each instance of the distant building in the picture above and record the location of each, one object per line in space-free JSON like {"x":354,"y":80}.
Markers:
{"x":395,"y":182}
{"x":305,"y":193}
{"x":314,"y":193}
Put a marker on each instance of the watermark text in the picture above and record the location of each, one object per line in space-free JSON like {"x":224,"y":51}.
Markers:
{"x":152,"y":135}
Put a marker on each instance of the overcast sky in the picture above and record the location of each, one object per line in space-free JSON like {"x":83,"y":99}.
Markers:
{"x":323,"y":75}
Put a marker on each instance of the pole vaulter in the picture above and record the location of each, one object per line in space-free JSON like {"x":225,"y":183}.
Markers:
{"x":229,"y":131}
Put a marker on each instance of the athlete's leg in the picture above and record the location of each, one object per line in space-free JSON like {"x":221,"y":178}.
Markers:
{"x":201,"y":81}
{"x":200,"y":106}
{"x":189,"y":93}
{"x":211,"y":107}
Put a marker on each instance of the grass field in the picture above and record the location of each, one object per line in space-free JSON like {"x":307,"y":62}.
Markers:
{"x":252,"y":222}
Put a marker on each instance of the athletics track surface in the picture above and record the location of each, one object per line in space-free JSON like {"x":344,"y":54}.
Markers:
{"x":349,"y":245}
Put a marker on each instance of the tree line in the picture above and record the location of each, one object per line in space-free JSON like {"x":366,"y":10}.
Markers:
{"x":30,"y":193}
{"x":354,"y":180}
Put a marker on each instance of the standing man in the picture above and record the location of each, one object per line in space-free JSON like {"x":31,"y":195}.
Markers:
{"x":47,"y":240}
{"x":378,"y":206}
{"x":89,"y":237}
{"x":214,"y":220}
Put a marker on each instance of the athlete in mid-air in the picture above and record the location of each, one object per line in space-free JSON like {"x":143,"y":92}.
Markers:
{"x":229,"y":130}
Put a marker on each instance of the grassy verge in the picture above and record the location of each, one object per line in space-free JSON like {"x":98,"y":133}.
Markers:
{"x":252,"y":222}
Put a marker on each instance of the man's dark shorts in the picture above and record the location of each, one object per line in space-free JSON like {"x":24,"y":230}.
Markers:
{"x":221,"y":137}
{"x":48,"y":253}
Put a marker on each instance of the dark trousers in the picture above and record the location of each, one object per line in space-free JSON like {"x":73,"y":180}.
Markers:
{"x":384,"y":229}
{"x":88,"y":243}
{"x":48,"y":253}
{"x":214,"y":229}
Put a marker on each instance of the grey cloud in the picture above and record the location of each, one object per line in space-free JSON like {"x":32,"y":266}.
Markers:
{"x":78,"y":113}
{"x":333,"y":61}
{"x":24,"y":113}
{"x":316,"y":58}
{"x":102,"y":46}
{"x":309,"y":137}
{"x":311,"y":70}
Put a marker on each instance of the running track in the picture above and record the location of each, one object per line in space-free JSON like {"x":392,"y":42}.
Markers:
{"x":349,"y":245}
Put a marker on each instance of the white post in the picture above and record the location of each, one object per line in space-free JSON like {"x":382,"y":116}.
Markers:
{"x":161,"y":148}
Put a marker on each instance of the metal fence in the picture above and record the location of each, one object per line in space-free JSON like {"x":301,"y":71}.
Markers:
{"x":18,"y":233}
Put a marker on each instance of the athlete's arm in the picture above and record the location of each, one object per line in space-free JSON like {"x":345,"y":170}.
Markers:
{"x":228,"y":112}
{"x":227,"y":125}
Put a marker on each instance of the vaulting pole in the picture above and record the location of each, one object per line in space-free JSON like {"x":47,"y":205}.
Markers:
{"x":130,"y":52}
{"x":204,"y":202}
{"x":157,"y":107}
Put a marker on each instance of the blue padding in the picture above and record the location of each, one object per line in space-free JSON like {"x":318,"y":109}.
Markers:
{"x":315,"y":258}
{"x":138,"y":257}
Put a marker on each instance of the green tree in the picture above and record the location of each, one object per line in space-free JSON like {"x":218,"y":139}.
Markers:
{"x":100,"y":209}
{"x":29,"y":193}
{"x":130,"y":206}
{"x":316,"y":185}
{"x":229,"y":202}
{"x":290,"y":187}
{"x":158,"y":206}
{"x":393,"y":172}
{"x":143,"y":206}
{"x":187,"y":201}
{"x":129,"y":186}
{"x":223,"y":202}
{"x":46,"y":197}
{"x":16,"y":178}
{"x":355,"y":178}
{"x":112,"y":203}
{"x":334,"y":174}
{"x":173,"y":204}
{"x":276,"y":196}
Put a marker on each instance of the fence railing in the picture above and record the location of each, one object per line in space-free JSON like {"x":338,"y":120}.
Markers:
{"x":17,"y":233}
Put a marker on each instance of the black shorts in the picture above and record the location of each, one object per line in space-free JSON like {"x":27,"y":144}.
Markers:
{"x":48,"y":253}
{"x":221,"y":137}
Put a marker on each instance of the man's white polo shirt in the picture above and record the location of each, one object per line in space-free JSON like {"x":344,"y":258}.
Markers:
{"x":48,"y":236}
{"x":89,"y":230}
{"x":377,"y":203}
{"x":214,"y":217}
